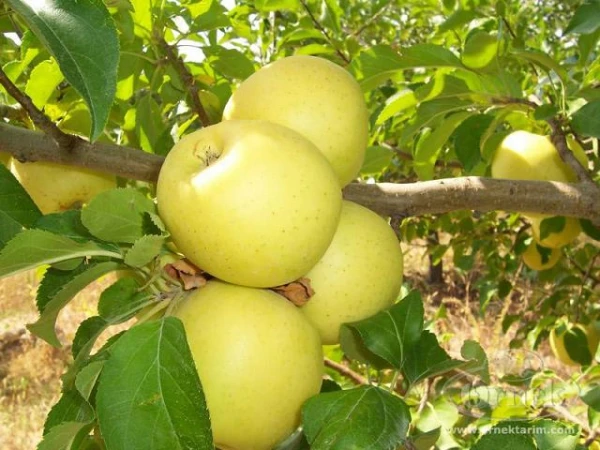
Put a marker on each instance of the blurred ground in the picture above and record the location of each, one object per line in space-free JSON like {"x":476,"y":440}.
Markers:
{"x":30,"y":369}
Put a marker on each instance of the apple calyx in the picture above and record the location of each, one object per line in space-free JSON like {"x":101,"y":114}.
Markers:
{"x":297,"y":292}
{"x":190,"y":276}
{"x":207,"y":155}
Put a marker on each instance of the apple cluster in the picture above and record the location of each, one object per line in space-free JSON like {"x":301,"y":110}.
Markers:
{"x":256,"y":202}
{"x":523,"y":155}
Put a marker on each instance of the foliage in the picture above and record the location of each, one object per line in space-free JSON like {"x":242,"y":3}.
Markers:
{"x":445,"y":81}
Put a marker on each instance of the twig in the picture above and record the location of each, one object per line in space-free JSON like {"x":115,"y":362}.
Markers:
{"x":373,"y":18}
{"x":187,"y":79}
{"x":40,"y":119}
{"x":346,"y":372}
{"x":324,"y":32}
{"x":563,"y":413}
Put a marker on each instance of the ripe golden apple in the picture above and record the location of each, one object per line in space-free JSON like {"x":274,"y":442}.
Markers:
{"x":557,"y":341}
{"x":315,"y":97}
{"x":535,"y":260}
{"x":55,"y":187}
{"x":258,"y":359}
{"x":250,"y":202}
{"x":569,"y":233}
{"x":359,"y":275}
{"x":527,"y":156}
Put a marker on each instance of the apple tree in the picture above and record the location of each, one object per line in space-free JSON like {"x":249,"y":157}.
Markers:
{"x":483,"y":119}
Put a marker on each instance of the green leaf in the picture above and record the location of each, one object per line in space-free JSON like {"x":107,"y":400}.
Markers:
{"x":552,"y":225}
{"x":381,"y":62}
{"x":42,"y":83}
{"x":389,"y":334}
{"x":377,"y":159}
{"x":554,"y":435}
{"x":478,"y":361}
{"x":144,"y":250}
{"x":208,"y":15}
{"x":480,"y":50}
{"x":591,"y":397}
{"x":17,"y":210}
{"x":276,"y":5}
{"x":57,"y":289}
{"x":542,"y":60}
{"x":66,"y":223}
{"x":366,"y":418}
{"x":32,"y":248}
{"x":545,"y":112}
{"x":149,"y":123}
{"x":83,"y":39}
{"x":71,"y":407}
{"x":467,"y":140}
{"x":65,"y":436}
{"x":229,"y":62}
{"x":586,"y":19}
{"x":586,"y":120}
{"x":429,"y":147}
{"x":427,"y":358}
{"x":400,"y":101}
{"x":507,"y":436}
{"x":86,"y":379}
{"x":122,"y":300}
{"x":576,"y":345}
{"x":117,"y":215}
{"x":149,"y":396}
{"x":458,"y":19}
{"x":89,"y":330}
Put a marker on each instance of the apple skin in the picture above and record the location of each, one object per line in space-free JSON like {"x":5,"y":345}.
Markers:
{"x":359,"y":275}
{"x":528,"y":156}
{"x":568,"y":234}
{"x":533,"y":259}
{"x":315,"y":97}
{"x":55,"y":187}
{"x":258,"y":360}
{"x":557,"y":342}
{"x":264,"y":210}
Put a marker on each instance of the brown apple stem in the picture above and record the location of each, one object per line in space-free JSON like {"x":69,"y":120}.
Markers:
{"x":64,"y":140}
{"x":346,"y":371}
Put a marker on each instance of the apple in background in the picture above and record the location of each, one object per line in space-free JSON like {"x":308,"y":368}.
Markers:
{"x":359,"y":275}
{"x":557,"y":341}
{"x":250,"y":202}
{"x":258,"y":360}
{"x":535,"y":260}
{"x":315,"y":97}
{"x":569,"y":233}
{"x":56,"y":187}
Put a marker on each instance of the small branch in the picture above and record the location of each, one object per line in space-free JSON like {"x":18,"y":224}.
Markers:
{"x":324,"y":32}
{"x":560,"y":142}
{"x":187,"y":79}
{"x":40,"y":119}
{"x":345,"y":371}
{"x":373,"y":18}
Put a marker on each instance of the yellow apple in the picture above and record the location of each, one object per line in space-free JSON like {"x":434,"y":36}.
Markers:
{"x":4,"y":158}
{"x":535,"y":260}
{"x":569,"y":233}
{"x":55,"y":187}
{"x":557,"y":341}
{"x":315,"y":97}
{"x":250,"y":202}
{"x":359,"y":275}
{"x":527,"y":156}
{"x":258,"y":360}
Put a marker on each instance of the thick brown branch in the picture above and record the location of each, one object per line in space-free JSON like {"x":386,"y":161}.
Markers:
{"x":346,"y":371}
{"x":560,"y":142}
{"x":40,"y":119}
{"x":409,"y":199}
{"x":478,"y":193}
{"x":126,"y":162}
{"x":187,"y":79}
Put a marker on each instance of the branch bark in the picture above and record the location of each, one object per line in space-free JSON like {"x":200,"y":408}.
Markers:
{"x":409,"y":199}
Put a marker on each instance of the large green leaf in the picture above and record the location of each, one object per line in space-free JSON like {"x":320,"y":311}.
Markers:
{"x":42,"y":83}
{"x":82,"y":37}
{"x":586,"y":19}
{"x":17,"y":210}
{"x":149,"y":396}
{"x":507,"y":436}
{"x":366,"y":418}
{"x":586,"y":120}
{"x":388,"y":335}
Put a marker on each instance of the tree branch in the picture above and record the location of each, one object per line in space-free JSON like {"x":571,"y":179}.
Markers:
{"x":346,"y":371}
{"x":408,"y":199}
{"x":37,"y":116}
{"x":324,"y":32}
{"x":186,"y":78}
